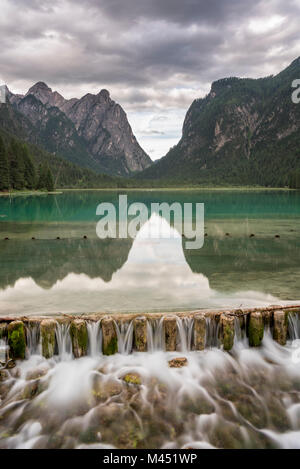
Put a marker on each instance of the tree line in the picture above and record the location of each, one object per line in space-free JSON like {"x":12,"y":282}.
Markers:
{"x":17,"y":170}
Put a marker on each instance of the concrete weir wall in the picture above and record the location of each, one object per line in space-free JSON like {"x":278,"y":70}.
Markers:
{"x":204,"y":328}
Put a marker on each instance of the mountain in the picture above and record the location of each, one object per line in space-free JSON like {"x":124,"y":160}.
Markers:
{"x":92,"y":132}
{"x":15,"y":127}
{"x":245,"y":131}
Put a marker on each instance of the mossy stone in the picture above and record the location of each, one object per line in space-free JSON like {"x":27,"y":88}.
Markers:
{"x":47,"y":333}
{"x":255,"y":329}
{"x":280,"y":327}
{"x":170,"y":327}
{"x":79,"y":337}
{"x":16,"y":340}
{"x":140,"y":334}
{"x":199,"y":331}
{"x":132,"y":378}
{"x":110,"y":339}
{"x":227,"y":323}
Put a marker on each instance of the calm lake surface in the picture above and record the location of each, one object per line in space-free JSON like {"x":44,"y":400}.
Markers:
{"x":75,"y":275}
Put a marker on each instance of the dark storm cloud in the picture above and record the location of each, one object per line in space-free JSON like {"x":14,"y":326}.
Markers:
{"x":150,"y":54}
{"x":137,"y":44}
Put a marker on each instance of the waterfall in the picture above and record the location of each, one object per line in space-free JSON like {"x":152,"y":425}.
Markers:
{"x":212,"y":333}
{"x":185,"y":327}
{"x":293,"y":326}
{"x":155,"y":335}
{"x":125,"y":337}
{"x":3,"y":350}
{"x":33,"y":339}
{"x":94,"y":338}
{"x":63,"y":340}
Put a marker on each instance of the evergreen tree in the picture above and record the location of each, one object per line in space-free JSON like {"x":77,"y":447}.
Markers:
{"x":4,"y":168}
{"x":29,"y":169}
{"x":45,"y":180}
{"x":49,"y":180}
{"x":17,"y":167}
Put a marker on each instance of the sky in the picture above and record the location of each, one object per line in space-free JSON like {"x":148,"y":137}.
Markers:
{"x":154,"y":56}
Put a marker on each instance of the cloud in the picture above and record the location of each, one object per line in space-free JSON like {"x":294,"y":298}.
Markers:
{"x":152,"y":55}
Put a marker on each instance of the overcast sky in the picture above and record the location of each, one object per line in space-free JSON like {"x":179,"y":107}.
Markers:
{"x":154,"y":56}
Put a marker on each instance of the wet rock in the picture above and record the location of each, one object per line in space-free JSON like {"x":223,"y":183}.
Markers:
{"x":170,"y":327}
{"x":104,"y":389}
{"x":199,"y":331}
{"x":280,"y":327}
{"x":178,"y":362}
{"x":3,"y":330}
{"x":37,"y":373}
{"x":227,"y":330}
{"x":79,"y":337}
{"x":132,"y":378}
{"x":47,"y":331}
{"x":140,"y":334}
{"x":110,"y":340}
{"x":16,"y":339}
{"x":255,"y":329}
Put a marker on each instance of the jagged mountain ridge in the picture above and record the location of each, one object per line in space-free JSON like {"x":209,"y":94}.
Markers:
{"x":245,"y":131}
{"x":92,"y":132}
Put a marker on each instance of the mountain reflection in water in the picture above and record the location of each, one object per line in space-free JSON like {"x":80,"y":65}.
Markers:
{"x":74,"y":276}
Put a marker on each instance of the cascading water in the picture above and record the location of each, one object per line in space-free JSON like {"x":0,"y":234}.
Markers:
{"x":185,"y":327}
{"x":155,"y":335}
{"x":246,"y":399}
{"x":293,"y":326}
{"x":94,"y":338}
{"x":125,"y":337}
{"x":212,"y":332}
{"x":63,"y":340}
{"x":33,"y":339}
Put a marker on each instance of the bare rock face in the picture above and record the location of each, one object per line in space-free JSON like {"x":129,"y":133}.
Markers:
{"x":104,"y":126}
{"x":92,"y":131}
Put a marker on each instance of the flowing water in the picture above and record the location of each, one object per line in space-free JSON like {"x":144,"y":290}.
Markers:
{"x":248,"y":398}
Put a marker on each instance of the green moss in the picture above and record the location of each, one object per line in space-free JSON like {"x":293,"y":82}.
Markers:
{"x":255,"y":330}
{"x":48,"y":337}
{"x":16,"y":340}
{"x":132,"y":378}
{"x":111,"y":347}
{"x":79,"y":336}
{"x":228,"y":337}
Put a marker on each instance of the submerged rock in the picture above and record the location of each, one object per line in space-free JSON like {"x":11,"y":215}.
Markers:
{"x":16,"y":339}
{"x":178,"y":362}
{"x":132,"y":378}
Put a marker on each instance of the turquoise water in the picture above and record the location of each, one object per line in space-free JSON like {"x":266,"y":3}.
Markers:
{"x":75,"y":275}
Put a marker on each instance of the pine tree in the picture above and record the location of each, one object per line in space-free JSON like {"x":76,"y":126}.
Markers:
{"x":45,"y":180}
{"x":49,"y":180}
{"x":29,"y":169}
{"x":17,"y":167}
{"x":4,"y":168}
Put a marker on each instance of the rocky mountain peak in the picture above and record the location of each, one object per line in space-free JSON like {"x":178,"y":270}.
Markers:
{"x":45,"y":94}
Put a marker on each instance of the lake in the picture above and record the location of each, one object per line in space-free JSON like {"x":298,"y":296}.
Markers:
{"x":75,"y":275}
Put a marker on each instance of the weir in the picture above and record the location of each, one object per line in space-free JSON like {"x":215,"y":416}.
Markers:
{"x":95,"y":334}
